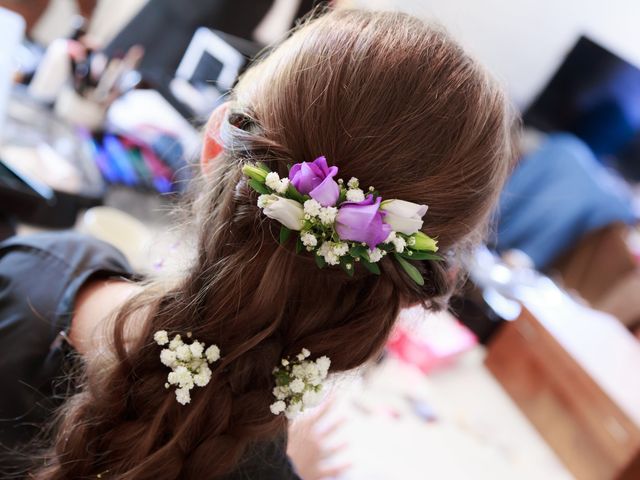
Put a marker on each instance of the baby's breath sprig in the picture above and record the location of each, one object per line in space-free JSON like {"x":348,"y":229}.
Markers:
{"x":299,"y":383}
{"x":189,"y":363}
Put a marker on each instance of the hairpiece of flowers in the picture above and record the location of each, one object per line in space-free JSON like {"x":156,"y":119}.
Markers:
{"x":338,"y":222}
{"x":299,"y":383}
{"x":189,"y":363}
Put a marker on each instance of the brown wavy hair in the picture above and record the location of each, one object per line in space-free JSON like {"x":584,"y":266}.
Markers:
{"x":390,"y":100}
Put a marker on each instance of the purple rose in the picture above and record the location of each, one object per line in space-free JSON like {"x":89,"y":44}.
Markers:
{"x":316,"y":180}
{"x":362,"y":222}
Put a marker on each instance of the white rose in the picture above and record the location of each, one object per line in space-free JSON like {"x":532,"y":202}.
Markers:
{"x":403,"y":217}
{"x":286,"y":211}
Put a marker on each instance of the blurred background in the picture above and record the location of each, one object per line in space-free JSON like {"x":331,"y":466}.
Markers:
{"x":533,"y":373}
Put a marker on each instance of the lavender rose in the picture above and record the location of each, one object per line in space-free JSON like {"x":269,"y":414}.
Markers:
{"x":362,"y":222}
{"x":316,"y":180}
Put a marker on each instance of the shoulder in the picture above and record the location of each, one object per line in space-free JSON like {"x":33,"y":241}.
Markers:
{"x":40,"y":276}
{"x":72,"y":249}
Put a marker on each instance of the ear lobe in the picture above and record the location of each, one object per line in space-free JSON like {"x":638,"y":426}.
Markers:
{"x":211,"y":147}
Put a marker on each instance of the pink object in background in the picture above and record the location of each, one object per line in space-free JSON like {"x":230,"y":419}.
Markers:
{"x":429,"y":341}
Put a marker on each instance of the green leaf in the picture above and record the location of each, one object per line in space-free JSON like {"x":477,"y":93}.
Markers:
{"x":412,"y":271}
{"x":362,"y":253}
{"x":299,"y":245}
{"x":358,"y":251}
{"x":285,"y":233}
{"x":320,"y":261}
{"x":372,"y":267}
{"x":294,"y":194}
{"x":258,"y":187}
{"x":343,"y":195}
{"x":420,"y":255}
{"x":387,"y":247}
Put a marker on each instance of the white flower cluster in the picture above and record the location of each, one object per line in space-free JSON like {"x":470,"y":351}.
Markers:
{"x":354,"y":193}
{"x":332,"y":251}
{"x":317,"y":214}
{"x":313,"y":210}
{"x":399,"y":243}
{"x":299,"y":384}
{"x":376,"y":255}
{"x":274,"y":182}
{"x":188,"y":363}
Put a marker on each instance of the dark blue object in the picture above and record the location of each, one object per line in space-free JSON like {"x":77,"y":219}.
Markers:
{"x":556,"y":195}
{"x":119,"y":160}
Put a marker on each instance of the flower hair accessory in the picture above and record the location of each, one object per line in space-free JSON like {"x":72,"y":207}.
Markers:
{"x":189,"y":363}
{"x":299,"y":383}
{"x":340,"y":223}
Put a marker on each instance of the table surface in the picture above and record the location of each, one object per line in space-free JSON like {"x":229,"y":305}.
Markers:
{"x":478,"y":432}
{"x":598,"y":342}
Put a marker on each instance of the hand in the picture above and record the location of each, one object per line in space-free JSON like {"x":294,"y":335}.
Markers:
{"x":307,"y":446}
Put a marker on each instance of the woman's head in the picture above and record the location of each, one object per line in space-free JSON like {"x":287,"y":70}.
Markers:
{"x":389,"y":100}
{"x":386,"y":98}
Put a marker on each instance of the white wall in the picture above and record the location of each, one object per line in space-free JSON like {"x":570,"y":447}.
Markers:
{"x":108,"y":18}
{"x":523,"y":41}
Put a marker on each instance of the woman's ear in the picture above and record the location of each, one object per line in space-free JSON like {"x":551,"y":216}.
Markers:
{"x":211,"y":147}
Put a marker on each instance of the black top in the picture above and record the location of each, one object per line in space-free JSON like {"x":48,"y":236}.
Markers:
{"x":40,"y":277}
